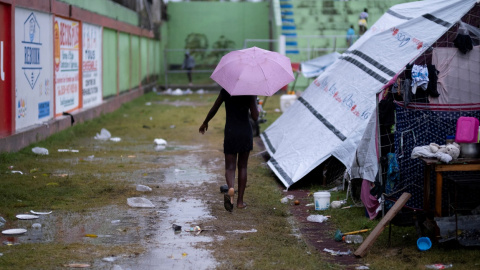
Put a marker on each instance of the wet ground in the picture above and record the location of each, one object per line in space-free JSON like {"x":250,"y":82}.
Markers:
{"x":185,"y":176}
{"x":152,"y":228}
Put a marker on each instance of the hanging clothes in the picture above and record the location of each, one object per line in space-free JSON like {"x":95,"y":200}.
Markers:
{"x":419,"y":77}
{"x":432,"y":81}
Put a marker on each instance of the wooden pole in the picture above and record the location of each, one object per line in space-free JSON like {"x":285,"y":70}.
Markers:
{"x":372,"y":237}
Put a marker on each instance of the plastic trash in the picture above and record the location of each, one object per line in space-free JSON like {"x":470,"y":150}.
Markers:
{"x":139,"y":202}
{"x":337,"y":204}
{"x":103,"y":135}
{"x":317,"y":218}
{"x":40,"y":151}
{"x":116,"y":221}
{"x":177,"y":228}
{"x":40,"y":213}
{"x":148,"y":103}
{"x":200,"y":91}
{"x":337,"y":253}
{"x":143,"y":188}
{"x":160,"y":142}
{"x":159,"y":147}
{"x":353,"y":238}
{"x":286,"y":198}
{"x":362,"y":267}
{"x":19,"y":172}
{"x":110,"y":259}
{"x":115,"y":139}
{"x":177,"y":92}
{"x":36,"y":225}
{"x":180,"y":171}
{"x":438,"y":266}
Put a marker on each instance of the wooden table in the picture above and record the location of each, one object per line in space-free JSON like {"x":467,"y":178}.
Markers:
{"x":457,"y":165}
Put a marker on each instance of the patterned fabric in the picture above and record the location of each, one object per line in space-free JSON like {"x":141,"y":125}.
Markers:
{"x":417,"y":127}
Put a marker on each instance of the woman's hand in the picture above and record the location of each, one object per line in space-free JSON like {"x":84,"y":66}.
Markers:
{"x":203,"y":128}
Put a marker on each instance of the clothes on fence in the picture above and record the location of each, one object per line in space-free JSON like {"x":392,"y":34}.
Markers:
{"x":426,"y":151}
{"x":464,"y":43}
{"x":432,"y":81}
{"x":371,"y":203}
{"x":458,"y":76}
{"x":419,"y":77}
{"x":393,"y":172}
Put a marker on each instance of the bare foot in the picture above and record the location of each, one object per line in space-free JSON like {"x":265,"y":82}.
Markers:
{"x":242,"y":206}
{"x":231,"y":193}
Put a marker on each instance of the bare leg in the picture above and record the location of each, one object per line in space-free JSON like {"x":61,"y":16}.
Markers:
{"x":242,"y":177}
{"x":230,"y":167}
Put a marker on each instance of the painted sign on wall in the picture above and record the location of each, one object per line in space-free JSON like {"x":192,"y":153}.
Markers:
{"x":5,"y":75}
{"x":67,"y":64}
{"x":33,"y":68}
{"x":91,"y":65}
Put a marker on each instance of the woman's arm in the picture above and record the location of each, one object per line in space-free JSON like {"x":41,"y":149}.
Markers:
{"x":211,"y":114}
{"x":253,"y":108}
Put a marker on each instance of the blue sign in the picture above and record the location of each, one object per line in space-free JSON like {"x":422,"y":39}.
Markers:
{"x":31,"y":40}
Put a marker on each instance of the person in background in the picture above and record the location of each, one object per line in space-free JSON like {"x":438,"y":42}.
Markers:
{"x":350,"y":35}
{"x":188,"y":64}
{"x":363,"y":22}
{"x":237,"y":143}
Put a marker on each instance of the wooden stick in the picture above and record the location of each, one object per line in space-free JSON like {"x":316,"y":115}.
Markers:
{"x":372,"y":237}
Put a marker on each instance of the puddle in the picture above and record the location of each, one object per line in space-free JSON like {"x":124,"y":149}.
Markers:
{"x":177,"y":250}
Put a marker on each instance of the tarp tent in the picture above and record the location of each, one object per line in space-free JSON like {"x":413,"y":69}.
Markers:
{"x":313,"y":68}
{"x":331,"y":116}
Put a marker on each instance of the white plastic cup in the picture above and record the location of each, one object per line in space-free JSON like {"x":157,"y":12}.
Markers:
{"x":322,"y":200}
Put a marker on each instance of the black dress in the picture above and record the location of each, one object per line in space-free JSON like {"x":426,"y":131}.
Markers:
{"x":238,"y":131}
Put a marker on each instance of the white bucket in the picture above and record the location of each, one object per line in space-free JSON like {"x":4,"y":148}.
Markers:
{"x":322,"y":200}
{"x":286,"y":101}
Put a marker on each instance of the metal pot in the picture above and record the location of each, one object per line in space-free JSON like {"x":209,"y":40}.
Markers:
{"x":469,"y":150}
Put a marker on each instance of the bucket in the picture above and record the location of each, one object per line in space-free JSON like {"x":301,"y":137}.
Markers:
{"x":424,"y":243}
{"x":286,"y":101}
{"x":322,"y":200}
{"x":467,"y":130}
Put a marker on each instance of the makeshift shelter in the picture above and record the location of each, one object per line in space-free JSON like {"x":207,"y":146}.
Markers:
{"x":331,"y":117}
{"x":314,"y":67}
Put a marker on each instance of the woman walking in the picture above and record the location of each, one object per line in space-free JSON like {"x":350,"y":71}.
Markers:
{"x":238,"y":141}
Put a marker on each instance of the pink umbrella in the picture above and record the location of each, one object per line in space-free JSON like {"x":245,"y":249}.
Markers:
{"x":253,"y":71}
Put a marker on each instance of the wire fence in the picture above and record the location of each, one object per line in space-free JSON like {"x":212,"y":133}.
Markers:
{"x":206,"y":59}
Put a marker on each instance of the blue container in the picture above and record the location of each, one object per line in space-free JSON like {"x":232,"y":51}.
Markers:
{"x":424,"y":243}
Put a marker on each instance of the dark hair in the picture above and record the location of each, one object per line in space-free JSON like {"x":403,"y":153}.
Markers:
{"x":365,"y":9}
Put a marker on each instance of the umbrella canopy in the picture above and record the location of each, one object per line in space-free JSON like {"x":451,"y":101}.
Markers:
{"x":253,"y":71}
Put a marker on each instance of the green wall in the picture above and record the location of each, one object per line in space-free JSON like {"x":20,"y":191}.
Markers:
{"x":144,"y":58}
{"x":135,"y":61}
{"x":107,"y":8}
{"x":109,"y":62}
{"x":124,"y":61}
{"x":207,"y":22}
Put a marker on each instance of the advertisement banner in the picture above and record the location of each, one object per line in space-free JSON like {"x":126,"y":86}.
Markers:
{"x":33,"y":68}
{"x":67,"y":64}
{"x":5,"y":74}
{"x":91,"y":65}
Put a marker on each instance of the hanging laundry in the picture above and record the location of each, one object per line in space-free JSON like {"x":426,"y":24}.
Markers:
{"x":432,"y":81}
{"x":419,"y":77}
{"x":407,"y":91}
{"x":463,"y":41}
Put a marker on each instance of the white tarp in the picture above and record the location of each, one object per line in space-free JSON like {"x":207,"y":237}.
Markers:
{"x":315,"y":67}
{"x":331,"y":116}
